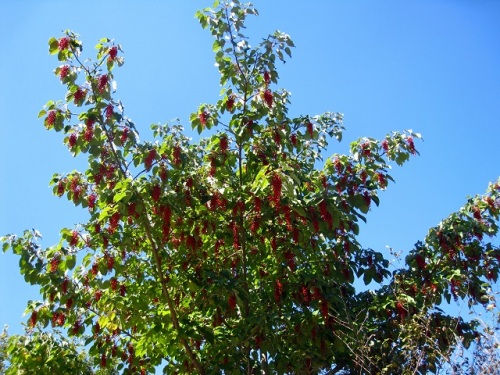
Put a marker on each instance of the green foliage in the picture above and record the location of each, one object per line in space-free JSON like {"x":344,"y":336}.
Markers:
{"x":236,"y":253}
{"x":40,"y":352}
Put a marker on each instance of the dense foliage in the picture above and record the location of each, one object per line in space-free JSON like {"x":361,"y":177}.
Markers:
{"x":238,"y":252}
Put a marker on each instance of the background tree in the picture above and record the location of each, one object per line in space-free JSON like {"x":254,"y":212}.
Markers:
{"x":238,"y":253}
{"x":39,"y":352}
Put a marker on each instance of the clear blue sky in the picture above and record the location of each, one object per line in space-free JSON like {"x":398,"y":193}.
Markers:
{"x":428,"y":65}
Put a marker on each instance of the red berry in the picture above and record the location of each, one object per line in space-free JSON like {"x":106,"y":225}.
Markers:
{"x":54,"y":263}
{"x":102,"y":82}
{"x":97,"y":295}
{"x":232,"y":301}
{"x":33,"y":318}
{"x":109,"y":111}
{"x":150,"y":158}
{"x":310,"y":129}
{"x":411,"y":145}
{"x":224,"y":145}
{"x":268,"y":98}
{"x":103,"y":360}
{"x":177,"y":155}
{"x":420,"y":261}
{"x":110,"y":262}
{"x":267,"y":77}
{"x":74,"y":238}
{"x":88,"y":135}
{"x":385,"y":145}
{"x":124,"y":135}
{"x":51,"y":118}
{"x":113,"y":52}
{"x":63,"y":72}
{"x":78,"y":96}
{"x":63,"y":43}
{"x":381,"y":180}
{"x":476,"y":213}
{"x":367,"y":198}
{"x":276,"y":185}
{"x":156,"y":193}
{"x":401,"y":309}
{"x":324,"y":309}
{"x":293,"y":139}
{"x":230,"y":103}
{"x":278,"y":291}
{"x":203,"y":116}
{"x":114,"y":283}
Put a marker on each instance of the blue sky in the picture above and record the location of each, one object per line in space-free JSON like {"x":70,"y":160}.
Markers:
{"x":431,"y":66}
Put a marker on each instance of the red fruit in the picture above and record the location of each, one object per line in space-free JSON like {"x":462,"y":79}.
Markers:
{"x":79,"y":95}
{"x":72,"y":140}
{"x":89,"y":134}
{"x":113,"y":52}
{"x":232,"y":301}
{"x":74,"y":238}
{"x":411,"y":145}
{"x":385,"y":145}
{"x":401,"y":309}
{"x":123,"y":290}
{"x":98,"y":295}
{"x":346,"y":274}
{"x":63,"y":43}
{"x":367,"y":198}
{"x":203,"y":116}
{"x":91,"y":200}
{"x":64,"y":71}
{"x":177,"y":155}
{"x":276,"y":185}
{"x":250,"y":126}
{"x":102,"y":82}
{"x":223,"y":145}
{"x":293,"y":139}
{"x":476,"y":213}
{"x":124,"y":135}
{"x":110,"y":262}
{"x":60,"y":188}
{"x":149,"y":159}
{"x":277,"y":137}
{"x":257,"y":204}
{"x":268,"y":98}
{"x":95,"y":269}
{"x":156,"y":193}
{"x":113,"y":222}
{"x":109,"y":111}
{"x":365,"y":147}
{"x":113,"y":283}
{"x":324,"y":309}
{"x":278,"y":291}
{"x":76,"y":327}
{"x":33,"y":318}
{"x":103,"y":360}
{"x":54,"y":263}
{"x":230,"y":103}
{"x":381,"y":180}
{"x":267,"y":77}
{"x":51,"y":118}
{"x":310,"y":129}
{"x":69,"y":303}
{"x":420,"y":261}
{"x":163,"y":173}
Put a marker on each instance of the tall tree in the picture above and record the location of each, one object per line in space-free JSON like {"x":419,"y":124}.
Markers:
{"x":238,"y":252}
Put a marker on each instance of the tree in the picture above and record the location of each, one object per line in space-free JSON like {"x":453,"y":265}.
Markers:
{"x":39,"y":352}
{"x":236,"y":253}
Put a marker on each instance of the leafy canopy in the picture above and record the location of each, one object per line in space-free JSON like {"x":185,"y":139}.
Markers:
{"x":236,"y":253}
